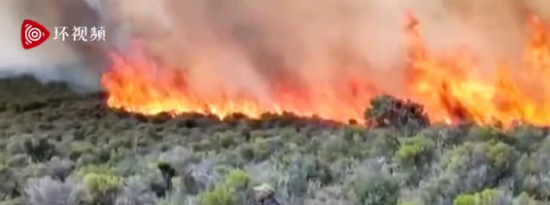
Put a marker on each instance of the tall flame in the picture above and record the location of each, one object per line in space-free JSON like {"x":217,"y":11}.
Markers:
{"x":450,"y":88}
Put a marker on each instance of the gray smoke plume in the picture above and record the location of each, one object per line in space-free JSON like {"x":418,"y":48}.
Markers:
{"x":78,"y":63}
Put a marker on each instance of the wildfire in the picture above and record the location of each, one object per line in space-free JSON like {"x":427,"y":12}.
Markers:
{"x":451,"y":90}
{"x":448,"y":86}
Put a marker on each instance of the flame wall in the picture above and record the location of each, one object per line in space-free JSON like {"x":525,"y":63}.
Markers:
{"x":326,"y":57}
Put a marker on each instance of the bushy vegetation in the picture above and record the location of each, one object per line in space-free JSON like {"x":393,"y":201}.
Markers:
{"x":60,"y":148}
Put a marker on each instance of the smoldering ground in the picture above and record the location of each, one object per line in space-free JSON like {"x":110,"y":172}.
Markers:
{"x":247,"y":45}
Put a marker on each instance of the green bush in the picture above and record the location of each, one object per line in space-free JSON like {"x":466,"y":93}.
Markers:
{"x":94,"y":169}
{"x":415,"y":151}
{"x":377,"y":189}
{"x":501,"y":155}
{"x":486,"y":197}
{"x":103,"y":188}
{"x":525,"y":199}
{"x":221,"y":195}
{"x":527,"y":138}
{"x":225,"y":192}
{"x":101,"y":183}
{"x":383,"y":143}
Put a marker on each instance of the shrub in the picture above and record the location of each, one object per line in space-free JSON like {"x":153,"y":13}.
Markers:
{"x":525,"y":199}
{"x":98,"y":183}
{"x":9,"y":184}
{"x":383,"y":143}
{"x":484,"y":133}
{"x":264,"y":148}
{"x":39,"y":149}
{"x":78,"y":149}
{"x":60,"y":169}
{"x":532,"y":175}
{"x":486,"y":197}
{"x":415,"y":156}
{"x":501,"y":156}
{"x":388,"y":111}
{"x":375,"y":189}
{"x":226,"y":192}
{"x":219,"y":196}
{"x":416,"y":151}
{"x":527,"y":138}
{"x":95,"y":169}
{"x":15,"y":201}
{"x":102,"y":187}
{"x":237,"y":179}
{"x":47,"y":191}
{"x":227,"y":139}
{"x":136,"y":192}
{"x":335,"y":147}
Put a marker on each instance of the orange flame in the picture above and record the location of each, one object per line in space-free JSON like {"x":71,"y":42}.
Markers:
{"x":451,"y":91}
{"x":448,"y":86}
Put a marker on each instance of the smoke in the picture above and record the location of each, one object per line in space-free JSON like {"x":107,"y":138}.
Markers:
{"x":249,"y":45}
{"x":77,"y":63}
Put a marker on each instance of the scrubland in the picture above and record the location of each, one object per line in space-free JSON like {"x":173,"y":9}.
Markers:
{"x":58,"y":147}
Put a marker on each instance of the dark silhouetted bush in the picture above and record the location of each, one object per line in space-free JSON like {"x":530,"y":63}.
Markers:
{"x":388,"y":111}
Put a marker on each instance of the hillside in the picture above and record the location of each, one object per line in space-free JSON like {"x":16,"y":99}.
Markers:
{"x":61,"y":147}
